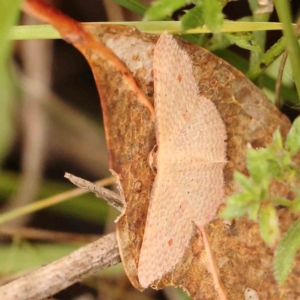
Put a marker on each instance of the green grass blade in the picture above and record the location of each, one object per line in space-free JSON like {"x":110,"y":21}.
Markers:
{"x":85,"y":207}
{"x":9,"y":12}
{"x":29,"y":32}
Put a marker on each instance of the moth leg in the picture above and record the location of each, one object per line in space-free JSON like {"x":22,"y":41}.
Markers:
{"x":152,"y":159}
{"x":212,"y":265}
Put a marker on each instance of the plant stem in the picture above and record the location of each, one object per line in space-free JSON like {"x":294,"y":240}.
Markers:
{"x":260,"y":37}
{"x":157,"y":27}
{"x":50,"y":201}
{"x":284,"y":13}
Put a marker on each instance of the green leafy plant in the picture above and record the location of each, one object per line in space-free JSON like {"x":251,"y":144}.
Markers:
{"x":207,"y":12}
{"x":204,"y":12}
{"x":275,"y":162}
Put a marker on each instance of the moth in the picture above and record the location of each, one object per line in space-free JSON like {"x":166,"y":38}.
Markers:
{"x":190,"y":158}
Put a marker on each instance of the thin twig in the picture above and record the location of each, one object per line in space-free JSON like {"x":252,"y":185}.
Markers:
{"x":111,"y":197}
{"x":4,"y":279}
{"x":279,"y":79}
{"x":283,"y":9}
{"x":48,"y":202}
{"x":66,"y":271}
{"x":56,"y":276}
{"x":62,"y":273}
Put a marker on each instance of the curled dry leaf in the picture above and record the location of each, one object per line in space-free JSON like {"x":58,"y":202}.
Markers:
{"x":241,"y":257}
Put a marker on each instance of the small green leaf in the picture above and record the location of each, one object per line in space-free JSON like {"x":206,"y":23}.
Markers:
{"x":160,"y":9}
{"x":285,"y":253}
{"x":268,"y":224}
{"x":240,"y":200}
{"x":243,"y":181}
{"x":237,"y":206}
{"x":275,"y":169}
{"x":256,"y":191}
{"x":253,"y":211}
{"x":231,"y":212}
{"x":292,"y":142}
{"x":282,"y":202}
{"x":277,"y":139}
{"x":295,"y":204}
{"x":257,"y":165}
{"x":213,"y":15}
{"x":244,"y":40}
{"x":193,"y":18}
{"x":289,"y":175}
{"x":286,"y":159}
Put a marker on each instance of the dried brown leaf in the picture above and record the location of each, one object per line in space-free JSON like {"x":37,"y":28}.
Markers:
{"x":241,"y":257}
